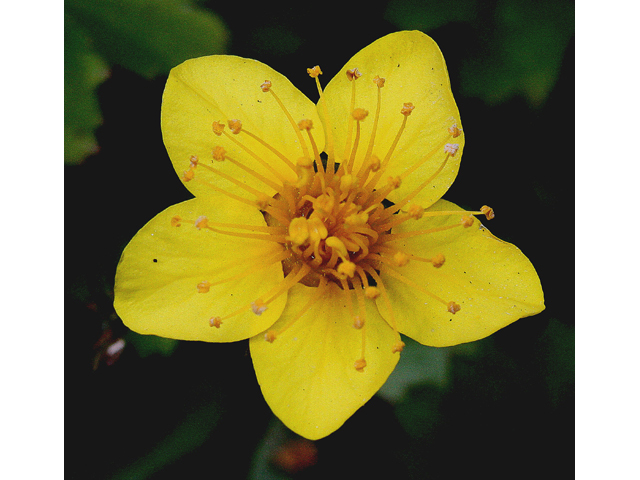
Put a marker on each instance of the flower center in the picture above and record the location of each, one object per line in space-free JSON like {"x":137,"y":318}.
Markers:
{"x":331,"y":222}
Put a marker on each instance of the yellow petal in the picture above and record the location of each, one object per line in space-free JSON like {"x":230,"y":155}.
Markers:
{"x":307,"y":374}
{"x":159,"y":272}
{"x":491,"y":280}
{"x":414,"y":72}
{"x":221,"y":88}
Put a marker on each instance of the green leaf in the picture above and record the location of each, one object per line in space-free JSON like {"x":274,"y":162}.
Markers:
{"x":150,"y":37}
{"x":147,"y":345}
{"x":84,"y":70}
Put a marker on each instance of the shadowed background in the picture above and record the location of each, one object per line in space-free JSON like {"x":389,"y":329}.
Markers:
{"x":161,"y":409}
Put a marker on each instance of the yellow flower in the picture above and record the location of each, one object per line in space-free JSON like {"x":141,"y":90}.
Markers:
{"x":322,"y":260}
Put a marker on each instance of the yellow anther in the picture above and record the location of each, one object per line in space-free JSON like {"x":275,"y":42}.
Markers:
{"x":397,"y":347}
{"x":188,"y":175}
{"x":453,"y":307}
{"x":258,"y":307}
{"x":266,"y":86}
{"x":394,"y":182}
{"x":467,"y":221}
{"x":324,"y":204}
{"x":314,"y":72}
{"x":218,"y":128}
{"x":401,"y":259}
{"x":488,"y":212}
{"x":235,"y":126}
{"x":358,"y":322}
{"x":379,"y":81}
{"x":415,"y":211}
{"x":193,"y":161}
{"x":347,"y":268}
{"x":372,"y":293}
{"x":360,"y":364}
{"x":176,"y":221}
{"x":346,"y":181}
{"x":357,"y":219}
{"x":270,"y":336}
{"x":451,"y":148}
{"x":203,"y":287}
{"x":374,"y":163}
{"x":305,"y":124}
{"x":354,"y":73}
{"x":215,"y":322}
{"x":317,"y":229}
{"x":407,"y":108}
{"x":201,"y":222}
{"x":359,"y":114}
{"x":438,"y":260}
{"x":219,"y":154}
{"x":298,"y":231}
{"x":454,"y":130}
{"x":336,"y":244}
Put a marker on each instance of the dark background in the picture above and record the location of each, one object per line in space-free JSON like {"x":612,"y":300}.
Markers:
{"x":190,"y":410}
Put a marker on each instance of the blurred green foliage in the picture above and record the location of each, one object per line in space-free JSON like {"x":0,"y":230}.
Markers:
{"x":520,"y":44}
{"x":148,"y":37}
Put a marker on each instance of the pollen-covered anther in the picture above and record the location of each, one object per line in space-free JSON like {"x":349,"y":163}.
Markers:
{"x":188,"y":175}
{"x":360,"y":364}
{"x":314,"y":72}
{"x":451,"y":148}
{"x":488,"y":212}
{"x":415,"y":211}
{"x":270,"y":336}
{"x":219,"y":154}
{"x":357,"y":219}
{"x":453,"y":307}
{"x":359,"y":114}
{"x":397,"y":347}
{"x":467,"y":221}
{"x":203,"y":287}
{"x":407,"y":108}
{"x":354,"y":73}
{"x":438,"y":260}
{"x":305,"y":124}
{"x":454,"y":130}
{"x":379,"y":81}
{"x":201,"y":222}
{"x":193,"y":161}
{"x":394,"y":182}
{"x":258,"y":307}
{"x":176,"y":221}
{"x":215,"y":322}
{"x":372,"y":292}
{"x":401,"y":259}
{"x":266,"y":86}
{"x":347,"y":268}
{"x":358,"y":322}
{"x":298,"y":231}
{"x":374,"y":163}
{"x":235,"y":126}
{"x":218,"y":128}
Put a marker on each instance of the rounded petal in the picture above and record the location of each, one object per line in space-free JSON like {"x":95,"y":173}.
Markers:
{"x":492,"y":281}
{"x":307,"y":374}
{"x":156,"y":287}
{"x":219,"y":88}
{"x":415,"y":72}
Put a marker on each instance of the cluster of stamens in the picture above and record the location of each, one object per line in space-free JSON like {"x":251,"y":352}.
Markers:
{"x":331,"y":222}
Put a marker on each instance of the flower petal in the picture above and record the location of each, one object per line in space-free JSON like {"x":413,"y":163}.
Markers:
{"x":221,"y":88}
{"x":491,"y":280}
{"x":307,"y":374}
{"x":156,"y":281}
{"x":415,"y":72}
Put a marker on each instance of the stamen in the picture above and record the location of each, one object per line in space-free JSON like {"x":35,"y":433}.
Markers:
{"x":218,"y":128}
{"x":360,"y":364}
{"x":451,"y":148}
{"x":329,"y":148}
{"x":379,"y":83}
{"x":454,"y":130}
{"x":219,"y":154}
{"x":235,"y":126}
{"x":215,"y":322}
{"x":272,"y":149}
{"x":305,"y":151}
{"x":391,"y":272}
{"x":258,"y":307}
{"x":176,"y":221}
{"x":203,"y":287}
